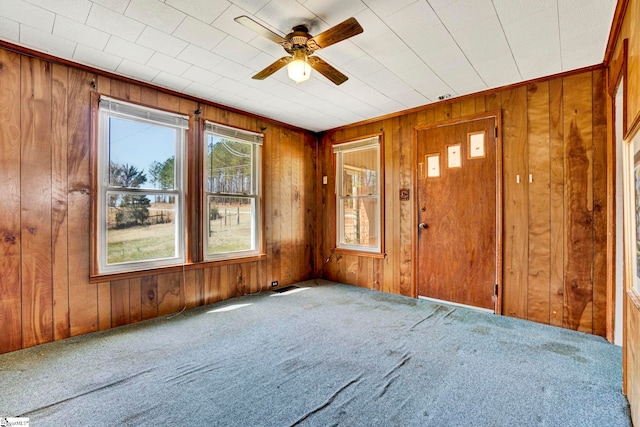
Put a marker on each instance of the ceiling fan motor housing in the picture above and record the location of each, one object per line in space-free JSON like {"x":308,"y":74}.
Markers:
{"x":299,"y":39}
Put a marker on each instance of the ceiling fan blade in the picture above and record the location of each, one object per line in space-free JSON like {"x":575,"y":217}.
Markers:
{"x":335,"y":34}
{"x":260,"y":29}
{"x":273,"y":68}
{"x":327,"y":70}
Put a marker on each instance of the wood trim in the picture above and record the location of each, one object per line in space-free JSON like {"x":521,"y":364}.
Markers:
{"x":194,"y":189}
{"x":611,"y":174}
{"x":342,"y":251}
{"x":93,"y":168}
{"x":616,"y":27}
{"x":334,"y":219}
{"x":56,"y":60}
{"x":617,"y":68}
{"x":634,"y":128}
{"x":174,"y":268}
{"x":617,"y":74}
{"x":465,"y":97}
{"x":499,"y":212}
{"x":634,"y":297}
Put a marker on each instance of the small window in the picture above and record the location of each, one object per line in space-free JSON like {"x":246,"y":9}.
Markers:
{"x":231,"y":192}
{"x":140,"y":202}
{"x":358,"y":195}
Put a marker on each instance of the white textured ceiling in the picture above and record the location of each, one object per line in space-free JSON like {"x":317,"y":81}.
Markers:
{"x":411,"y":51}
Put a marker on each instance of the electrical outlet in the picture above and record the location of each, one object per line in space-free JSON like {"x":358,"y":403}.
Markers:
{"x":274,"y":283}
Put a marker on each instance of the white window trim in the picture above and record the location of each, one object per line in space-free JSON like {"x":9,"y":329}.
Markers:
{"x":115,"y":108}
{"x":247,"y":137}
{"x":339,"y":150}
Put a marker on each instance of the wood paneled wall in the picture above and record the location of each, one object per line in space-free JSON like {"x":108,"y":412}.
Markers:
{"x":554,"y":240}
{"x":45,"y":293}
{"x":626,"y":26}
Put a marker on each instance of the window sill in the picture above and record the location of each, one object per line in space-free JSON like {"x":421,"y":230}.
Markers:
{"x":101,"y":278}
{"x":366,"y":254}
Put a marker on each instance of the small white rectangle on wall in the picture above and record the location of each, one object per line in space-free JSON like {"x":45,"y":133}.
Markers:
{"x":476,"y":145}
{"x":453,"y":156}
{"x":433,"y":166}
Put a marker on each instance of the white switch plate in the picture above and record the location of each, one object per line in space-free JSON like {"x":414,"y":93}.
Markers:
{"x":325,"y":180}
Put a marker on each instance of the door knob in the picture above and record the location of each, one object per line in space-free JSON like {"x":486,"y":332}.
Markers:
{"x":423,"y":226}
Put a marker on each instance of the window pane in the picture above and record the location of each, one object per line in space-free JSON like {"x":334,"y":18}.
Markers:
{"x":230,"y":224}
{"x":360,"y":222}
{"x":359,"y":176}
{"x":141,"y":155}
{"x":140,"y":227}
{"x":228,"y":166}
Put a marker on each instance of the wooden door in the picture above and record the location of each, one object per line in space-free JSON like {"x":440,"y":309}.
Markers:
{"x":459,"y":212}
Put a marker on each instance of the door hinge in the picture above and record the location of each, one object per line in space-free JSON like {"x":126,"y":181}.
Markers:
{"x":495,"y":290}
{"x":496,"y":131}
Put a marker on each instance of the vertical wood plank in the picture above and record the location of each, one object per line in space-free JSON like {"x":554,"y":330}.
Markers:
{"x":212,"y":285}
{"x":538,"y":298}
{"x":296,"y":217}
{"x":120,"y":306}
{"x":599,"y":203}
{"x":556,"y":141}
{"x":362,"y":279}
{"x":252,"y":278}
{"x":83,"y":297}
{"x":59,"y":203}
{"x":10,"y":238}
{"x":468,"y":106}
{"x":120,"y":89}
{"x":392,"y":209}
{"x":103,"y":85}
{"x":169,"y":293}
{"x":135,"y":300}
{"x":442,"y":112}
{"x":405,"y":286}
{"x":148,"y":96}
{"x":240,"y":279}
{"x":35,"y":202}
{"x":104,"y":306}
{"x":199,"y":278}
{"x":312,"y":186}
{"x":351,"y":269}
{"x":480,"y":104}
{"x":578,"y":202}
{"x":284,"y":206}
{"x":455,"y":109}
{"x":224,"y":283}
{"x":275,"y":212}
{"x":149,"y":297}
{"x":189,"y":288}
{"x":492,"y":101}
{"x":515,"y":243}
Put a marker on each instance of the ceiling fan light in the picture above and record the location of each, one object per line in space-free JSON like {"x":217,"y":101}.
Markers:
{"x":299,"y":70}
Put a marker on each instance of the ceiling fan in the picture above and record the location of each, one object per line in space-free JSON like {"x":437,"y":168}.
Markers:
{"x":301,"y":45}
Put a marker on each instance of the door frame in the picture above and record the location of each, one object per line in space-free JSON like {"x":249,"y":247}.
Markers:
{"x":497,"y":115}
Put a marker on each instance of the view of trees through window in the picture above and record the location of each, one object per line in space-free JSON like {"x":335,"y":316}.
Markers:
{"x":230,"y":193}
{"x":141,"y":196}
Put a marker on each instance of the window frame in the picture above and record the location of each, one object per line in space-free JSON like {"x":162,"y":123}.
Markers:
{"x":256,"y":140}
{"x":338,"y":149}
{"x":106,"y":107}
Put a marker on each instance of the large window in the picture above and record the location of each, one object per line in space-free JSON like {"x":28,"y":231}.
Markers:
{"x":358,"y":195}
{"x":140,"y":221}
{"x":232,"y":192}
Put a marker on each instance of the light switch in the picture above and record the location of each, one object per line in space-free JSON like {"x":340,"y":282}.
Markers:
{"x":325,"y":180}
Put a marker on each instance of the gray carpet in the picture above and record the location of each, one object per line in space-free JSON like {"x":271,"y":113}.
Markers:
{"x":325,"y":355}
